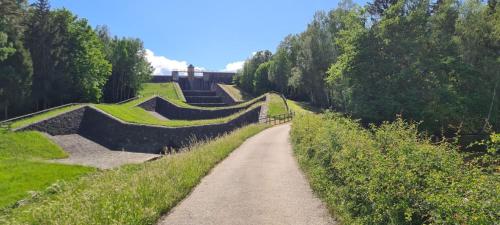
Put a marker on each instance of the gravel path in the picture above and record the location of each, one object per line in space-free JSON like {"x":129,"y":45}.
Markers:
{"x":259,"y":183}
{"x":83,"y":151}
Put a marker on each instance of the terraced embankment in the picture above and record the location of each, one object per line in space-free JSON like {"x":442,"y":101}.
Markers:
{"x":115,"y":134}
{"x":170,"y":110}
{"x":111,"y":135}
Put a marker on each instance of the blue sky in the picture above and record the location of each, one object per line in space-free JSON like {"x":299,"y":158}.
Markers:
{"x":209,"y":34}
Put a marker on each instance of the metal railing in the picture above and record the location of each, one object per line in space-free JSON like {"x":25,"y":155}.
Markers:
{"x":277,"y":119}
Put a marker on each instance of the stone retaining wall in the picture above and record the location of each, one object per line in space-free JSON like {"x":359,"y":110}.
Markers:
{"x":172,"y":111}
{"x":66,"y":123}
{"x":114,"y":134}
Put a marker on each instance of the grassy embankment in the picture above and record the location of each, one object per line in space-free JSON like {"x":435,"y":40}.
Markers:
{"x":391,"y":175}
{"x":236,"y":93}
{"x":22,"y":154}
{"x":133,"y":194}
{"x":301,"y":107}
{"x":130,"y":113}
{"x":23,"y":169}
{"x":276,"y":105}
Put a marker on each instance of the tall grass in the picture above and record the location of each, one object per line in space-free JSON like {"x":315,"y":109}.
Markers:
{"x":134,"y":194}
{"x":391,"y":175}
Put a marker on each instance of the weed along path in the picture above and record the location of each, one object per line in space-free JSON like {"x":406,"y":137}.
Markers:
{"x":259,"y":183}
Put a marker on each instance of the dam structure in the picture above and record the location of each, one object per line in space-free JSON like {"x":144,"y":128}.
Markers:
{"x":200,"y":88}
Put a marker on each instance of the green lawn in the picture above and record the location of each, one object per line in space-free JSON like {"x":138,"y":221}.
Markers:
{"x":301,"y":107}
{"x":168,"y":90}
{"x":236,"y":92}
{"x":276,"y":105}
{"x":133,"y":194}
{"x":22,"y":168}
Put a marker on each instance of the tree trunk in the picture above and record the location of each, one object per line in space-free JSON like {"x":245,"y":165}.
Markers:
{"x":491,"y":105}
{"x":6,"y":110}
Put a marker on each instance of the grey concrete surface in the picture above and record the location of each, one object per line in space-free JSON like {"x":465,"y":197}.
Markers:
{"x":259,"y":183}
{"x":88,"y":153}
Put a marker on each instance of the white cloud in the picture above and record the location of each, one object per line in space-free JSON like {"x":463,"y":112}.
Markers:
{"x":164,"y":66}
{"x":234,"y":66}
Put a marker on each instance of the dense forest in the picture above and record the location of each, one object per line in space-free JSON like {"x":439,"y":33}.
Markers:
{"x":432,"y":61}
{"x":52,"y":57}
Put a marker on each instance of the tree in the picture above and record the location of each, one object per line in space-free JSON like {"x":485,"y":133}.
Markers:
{"x":130,"y":66}
{"x":15,"y":62}
{"x":281,"y":64}
{"x":39,"y":44}
{"x":261,"y":82}
{"x":316,"y":53}
{"x":247,"y":75}
{"x":88,"y":65}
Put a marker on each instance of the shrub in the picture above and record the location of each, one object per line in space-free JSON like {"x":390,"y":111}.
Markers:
{"x":391,"y":175}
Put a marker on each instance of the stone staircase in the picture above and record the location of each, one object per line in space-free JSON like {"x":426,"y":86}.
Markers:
{"x":204,"y":98}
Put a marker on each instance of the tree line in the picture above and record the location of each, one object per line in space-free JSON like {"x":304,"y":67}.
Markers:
{"x":50,"y":57}
{"x":431,"y":61}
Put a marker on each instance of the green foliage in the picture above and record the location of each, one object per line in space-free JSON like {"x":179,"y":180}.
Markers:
{"x":130,"y":66}
{"x":52,"y":57}
{"x":261,"y":79}
{"x":68,"y":59}
{"x":488,"y":160}
{"x":391,"y":175}
{"x":134,"y":194}
{"x":15,"y":62}
{"x":89,"y":67}
{"x":246,"y":77}
{"x":435,"y":62}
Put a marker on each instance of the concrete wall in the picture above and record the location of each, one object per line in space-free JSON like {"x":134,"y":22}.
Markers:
{"x":161,"y":79}
{"x":172,"y":111}
{"x":117,"y":135}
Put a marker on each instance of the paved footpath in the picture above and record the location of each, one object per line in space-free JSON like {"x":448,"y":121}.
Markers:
{"x":259,"y":183}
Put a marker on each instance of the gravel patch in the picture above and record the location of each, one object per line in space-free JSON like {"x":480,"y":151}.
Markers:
{"x":83,"y":151}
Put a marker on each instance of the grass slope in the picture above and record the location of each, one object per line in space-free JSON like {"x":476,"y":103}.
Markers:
{"x":276,"y":105}
{"x":134,"y":194}
{"x":22,"y":169}
{"x":167,"y":90}
{"x":138,"y":115}
{"x":301,"y":107}
{"x":42,"y":116}
{"x":235,"y":92}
